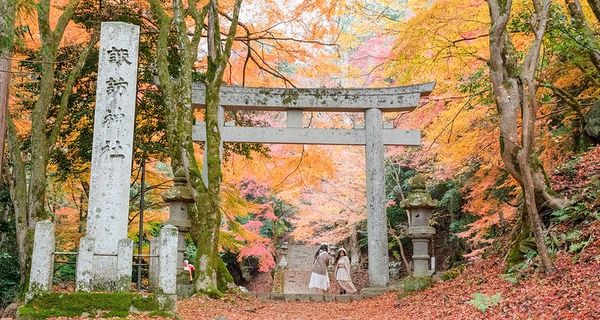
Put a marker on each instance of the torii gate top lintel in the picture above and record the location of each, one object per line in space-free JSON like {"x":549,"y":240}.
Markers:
{"x":392,"y":99}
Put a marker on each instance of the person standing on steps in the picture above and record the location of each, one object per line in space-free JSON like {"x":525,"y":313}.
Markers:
{"x":342,"y":272}
{"x":319,"y":279}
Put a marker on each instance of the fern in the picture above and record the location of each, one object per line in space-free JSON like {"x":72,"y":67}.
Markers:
{"x":483,"y":302}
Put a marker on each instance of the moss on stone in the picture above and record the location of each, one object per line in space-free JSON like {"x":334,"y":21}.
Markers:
{"x":213,"y":293}
{"x":452,"y":273}
{"x":162,"y":314}
{"x":103,"y":304}
{"x":145,"y":303}
{"x":412,"y":284}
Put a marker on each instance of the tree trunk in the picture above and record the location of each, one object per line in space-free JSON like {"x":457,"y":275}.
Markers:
{"x":392,"y":232}
{"x":205,"y":214}
{"x":595,"y":5}
{"x":580,"y":23}
{"x":5,"y":67}
{"x":28,"y":176}
{"x":354,"y":249}
{"x":18,"y":193}
{"x":515,"y":92}
{"x":7,"y":25}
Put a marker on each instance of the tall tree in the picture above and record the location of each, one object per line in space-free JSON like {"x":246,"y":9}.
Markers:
{"x":29,"y":153}
{"x":8,"y":10}
{"x":514,"y":87}
{"x":205,"y":214}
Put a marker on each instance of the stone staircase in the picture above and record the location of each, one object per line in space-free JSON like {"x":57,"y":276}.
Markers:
{"x":296,"y":276}
{"x":297,"y":273}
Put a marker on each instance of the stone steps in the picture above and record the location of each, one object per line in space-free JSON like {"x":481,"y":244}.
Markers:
{"x":305,"y":297}
{"x":297,"y":272}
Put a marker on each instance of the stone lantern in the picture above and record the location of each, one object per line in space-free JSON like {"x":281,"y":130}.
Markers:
{"x":420,"y":205}
{"x":179,"y":198}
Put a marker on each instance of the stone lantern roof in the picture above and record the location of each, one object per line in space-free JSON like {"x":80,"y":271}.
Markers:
{"x":418,"y":197}
{"x":180,"y":191}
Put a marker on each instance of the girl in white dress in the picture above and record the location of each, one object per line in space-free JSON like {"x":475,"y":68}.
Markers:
{"x":319,"y":279}
{"x":342,"y":272}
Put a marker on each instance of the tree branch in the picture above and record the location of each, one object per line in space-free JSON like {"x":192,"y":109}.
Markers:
{"x":66,"y":94}
{"x":231,"y":35}
{"x":64,"y":19}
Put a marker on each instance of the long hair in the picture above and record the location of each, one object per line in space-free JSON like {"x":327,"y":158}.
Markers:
{"x":322,"y":248}
{"x":337,"y":258}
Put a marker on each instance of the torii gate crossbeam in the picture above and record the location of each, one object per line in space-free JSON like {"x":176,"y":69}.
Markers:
{"x":374,"y":136}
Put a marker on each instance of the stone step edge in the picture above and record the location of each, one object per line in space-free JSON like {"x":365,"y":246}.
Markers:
{"x":304,"y":297}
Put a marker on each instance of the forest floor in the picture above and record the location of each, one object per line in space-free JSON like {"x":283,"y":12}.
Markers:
{"x":572,"y":292}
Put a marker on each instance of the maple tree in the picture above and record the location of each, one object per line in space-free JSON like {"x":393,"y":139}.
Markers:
{"x":485,"y":185}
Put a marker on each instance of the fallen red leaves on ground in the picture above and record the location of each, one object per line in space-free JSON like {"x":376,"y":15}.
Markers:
{"x":572,"y":292}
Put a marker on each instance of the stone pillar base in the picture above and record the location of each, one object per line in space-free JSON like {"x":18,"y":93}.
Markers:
{"x":42,"y":259}
{"x":85,"y":263}
{"x":167,"y":302}
{"x":420,"y":257}
{"x":153,"y":265}
{"x":124,"y":264}
{"x":167,"y":269}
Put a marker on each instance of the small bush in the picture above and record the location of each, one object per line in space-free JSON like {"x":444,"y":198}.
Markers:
{"x":452,"y":273}
{"x":483,"y":302}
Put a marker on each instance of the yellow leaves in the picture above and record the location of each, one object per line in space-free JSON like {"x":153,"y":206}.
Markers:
{"x":233,"y":204}
{"x":288,"y":167}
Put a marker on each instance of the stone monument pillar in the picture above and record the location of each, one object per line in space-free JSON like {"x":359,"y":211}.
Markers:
{"x":112,"y":150}
{"x":167,"y":268}
{"x":376,"y":216}
{"x":42,"y":258}
{"x":420,"y":205}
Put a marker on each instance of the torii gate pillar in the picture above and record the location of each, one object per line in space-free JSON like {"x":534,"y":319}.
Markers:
{"x":376,"y":215}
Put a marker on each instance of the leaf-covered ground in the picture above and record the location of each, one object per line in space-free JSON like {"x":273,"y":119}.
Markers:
{"x":573,"y":292}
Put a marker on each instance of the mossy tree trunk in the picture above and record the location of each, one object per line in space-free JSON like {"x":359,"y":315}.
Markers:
{"x":515,"y":89}
{"x":205,"y":214}
{"x":7,"y":28}
{"x":28,"y":166}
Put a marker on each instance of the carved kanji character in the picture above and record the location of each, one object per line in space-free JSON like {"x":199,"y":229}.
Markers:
{"x":118,"y":56}
{"x":119,"y":85}
{"x":113,"y":116}
{"x":114,"y":149}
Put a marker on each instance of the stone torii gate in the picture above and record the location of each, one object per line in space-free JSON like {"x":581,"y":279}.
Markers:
{"x":374,"y":136}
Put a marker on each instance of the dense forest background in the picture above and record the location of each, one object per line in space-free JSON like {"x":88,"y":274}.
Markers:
{"x":313,"y":194}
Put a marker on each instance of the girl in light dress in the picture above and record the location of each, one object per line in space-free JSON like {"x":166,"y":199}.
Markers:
{"x":342,"y":272}
{"x":319,"y":279}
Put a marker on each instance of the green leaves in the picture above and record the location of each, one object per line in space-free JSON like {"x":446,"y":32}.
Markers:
{"x":483,"y":302}
{"x":572,"y":213}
